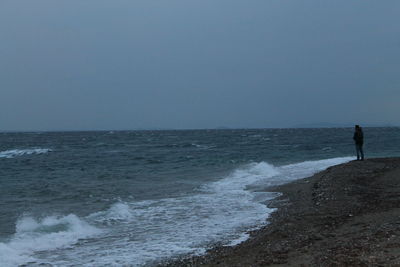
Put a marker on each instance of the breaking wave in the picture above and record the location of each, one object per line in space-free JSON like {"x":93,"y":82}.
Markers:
{"x":22,"y":152}
{"x":50,"y":233}
{"x":144,"y":232}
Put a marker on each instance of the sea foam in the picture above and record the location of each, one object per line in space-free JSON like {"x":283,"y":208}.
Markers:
{"x":221,"y":211}
{"x":22,"y":152}
{"x":49,"y":233}
{"x":145,"y":232}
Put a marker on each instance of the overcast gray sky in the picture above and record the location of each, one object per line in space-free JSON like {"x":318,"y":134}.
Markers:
{"x":96,"y":64}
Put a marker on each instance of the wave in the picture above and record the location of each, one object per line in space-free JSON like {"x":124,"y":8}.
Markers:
{"x":49,"y":233}
{"x":205,"y":147}
{"x":221,"y":211}
{"x":187,"y":145}
{"x":145,"y":232}
{"x":22,"y":152}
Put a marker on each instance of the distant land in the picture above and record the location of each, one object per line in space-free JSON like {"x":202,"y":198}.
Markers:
{"x":305,"y":125}
{"x":341,"y":125}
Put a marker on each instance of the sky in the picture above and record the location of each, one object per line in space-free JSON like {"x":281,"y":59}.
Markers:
{"x":168,"y":64}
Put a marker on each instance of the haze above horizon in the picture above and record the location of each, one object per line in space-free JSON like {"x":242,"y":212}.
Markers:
{"x":92,"y":65}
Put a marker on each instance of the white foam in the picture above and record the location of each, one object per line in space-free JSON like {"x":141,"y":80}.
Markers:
{"x":243,"y":177}
{"x":118,"y":212}
{"x":174,"y":226}
{"x":291,"y":172}
{"x":220,"y":211}
{"x":47,"y":234}
{"x":141,"y":232}
{"x":243,"y":237}
{"x":22,"y":152}
{"x":307,"y":168}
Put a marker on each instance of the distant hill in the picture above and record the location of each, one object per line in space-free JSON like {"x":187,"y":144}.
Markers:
{"x":339,"y":125}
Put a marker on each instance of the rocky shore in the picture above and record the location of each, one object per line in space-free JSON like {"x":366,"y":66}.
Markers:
{"x":347,"y":215}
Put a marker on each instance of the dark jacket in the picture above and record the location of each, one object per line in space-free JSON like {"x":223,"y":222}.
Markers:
{"x":358,"y":137}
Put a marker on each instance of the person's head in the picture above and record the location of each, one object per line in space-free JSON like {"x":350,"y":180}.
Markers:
{"x":357,"y":127}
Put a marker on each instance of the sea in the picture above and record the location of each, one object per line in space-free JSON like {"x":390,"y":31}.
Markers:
{"x":140,"y":198}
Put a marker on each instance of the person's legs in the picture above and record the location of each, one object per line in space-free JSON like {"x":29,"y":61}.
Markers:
{"x":361,"y":152}
{"x":358,"y":151}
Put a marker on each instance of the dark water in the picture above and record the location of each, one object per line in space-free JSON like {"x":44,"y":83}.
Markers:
{"x":81,"y":188}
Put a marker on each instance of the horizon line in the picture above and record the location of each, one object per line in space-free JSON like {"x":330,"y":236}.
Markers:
{"x":195,"y":129}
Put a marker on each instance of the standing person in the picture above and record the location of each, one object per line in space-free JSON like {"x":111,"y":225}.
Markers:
{"x":358,"y":138}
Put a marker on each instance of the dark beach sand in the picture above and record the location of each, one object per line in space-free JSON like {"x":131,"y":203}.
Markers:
{"x":347,"y":215}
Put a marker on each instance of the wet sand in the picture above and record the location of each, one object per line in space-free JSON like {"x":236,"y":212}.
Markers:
{"x":347,"y":215}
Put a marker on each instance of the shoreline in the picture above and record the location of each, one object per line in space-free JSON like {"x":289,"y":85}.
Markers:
{"x":346,"y":215}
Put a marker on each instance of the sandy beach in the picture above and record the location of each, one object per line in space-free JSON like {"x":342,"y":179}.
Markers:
{"x":347,"y":215}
